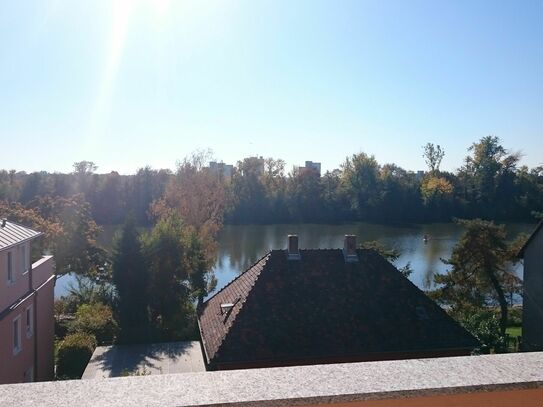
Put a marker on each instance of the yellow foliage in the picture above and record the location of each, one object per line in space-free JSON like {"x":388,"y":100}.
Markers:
{"x":436,"y":187}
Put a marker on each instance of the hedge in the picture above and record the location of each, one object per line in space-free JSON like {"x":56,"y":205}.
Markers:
{"x":74,"y":354}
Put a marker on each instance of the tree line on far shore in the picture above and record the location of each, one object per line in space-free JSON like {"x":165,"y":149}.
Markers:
{"x":490,"y":184}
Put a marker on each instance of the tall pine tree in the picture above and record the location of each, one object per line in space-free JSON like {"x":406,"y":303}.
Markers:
{"x":131,"y":279}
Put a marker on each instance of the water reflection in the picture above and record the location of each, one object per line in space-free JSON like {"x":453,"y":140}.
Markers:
{"x":242,"y":245}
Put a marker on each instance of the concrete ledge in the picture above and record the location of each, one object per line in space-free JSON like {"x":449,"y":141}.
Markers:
{"x":304,"y":385}
{"x":42,"y":271}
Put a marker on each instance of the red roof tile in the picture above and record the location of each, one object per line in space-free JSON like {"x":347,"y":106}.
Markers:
{"x":322,"y":308}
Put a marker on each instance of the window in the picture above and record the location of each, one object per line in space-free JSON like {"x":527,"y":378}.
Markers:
{"x":24,"y":258}
{"x":17,"y":335}
{"x":11,"y":275}
{"x":29,"y":322}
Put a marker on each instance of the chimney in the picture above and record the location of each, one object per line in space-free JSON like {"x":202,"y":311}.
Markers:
{"x":293,"y":253}
{"x":349,"y":249}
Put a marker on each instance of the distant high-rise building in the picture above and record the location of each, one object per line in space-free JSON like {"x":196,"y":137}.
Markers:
{"x":221,"y":169}
{"x":311,"y":166}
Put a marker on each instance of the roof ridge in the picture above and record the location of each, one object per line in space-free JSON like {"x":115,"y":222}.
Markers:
{"x":20,"y":225}
{"x":238,"y":276}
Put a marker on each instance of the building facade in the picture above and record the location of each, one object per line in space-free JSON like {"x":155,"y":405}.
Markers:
{"x":26,"y":308}
{"x":311,"y":166}
{"x":532,"y":318}
{"x":221,"y":169}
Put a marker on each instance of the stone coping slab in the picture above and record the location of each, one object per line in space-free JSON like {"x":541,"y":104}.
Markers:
{"x":289,"y":386}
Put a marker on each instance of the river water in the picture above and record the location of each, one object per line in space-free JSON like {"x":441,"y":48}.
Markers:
{"x":241,"y":245}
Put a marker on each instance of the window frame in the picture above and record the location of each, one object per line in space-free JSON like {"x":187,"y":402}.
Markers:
{"x":10,"y":268}
{"x":16,"y":327}
{"x":24,"y":259}
{"x":29,"y":321}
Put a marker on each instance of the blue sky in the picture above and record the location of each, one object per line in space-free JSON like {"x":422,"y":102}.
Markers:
{"x":145,"y":82}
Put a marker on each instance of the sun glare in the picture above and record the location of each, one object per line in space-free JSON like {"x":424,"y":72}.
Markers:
{"x":160,"y":6}
{"x":122,"y":11}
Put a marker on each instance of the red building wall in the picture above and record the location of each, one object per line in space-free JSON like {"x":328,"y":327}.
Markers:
{"x":34,"y":360}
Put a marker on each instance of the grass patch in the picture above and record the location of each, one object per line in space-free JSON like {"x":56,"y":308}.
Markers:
{"x":514,"y":331}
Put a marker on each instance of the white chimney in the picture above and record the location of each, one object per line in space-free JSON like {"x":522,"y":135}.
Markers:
{"x":349,"y":249}
{"x":293,"y":252}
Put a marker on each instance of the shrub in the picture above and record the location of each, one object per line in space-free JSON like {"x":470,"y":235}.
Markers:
{"x":515,"y":316}
{"x":97,"y":320}
{"x":63,"y":327}
{"x":485,"y":326}
{"x":59,"y":307}
{"x":74,"y":353}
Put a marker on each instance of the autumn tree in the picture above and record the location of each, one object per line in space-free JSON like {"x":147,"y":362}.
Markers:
{"x":76,"y":248}
{"x":70,"y":233}
{"x":52,"y":229}
{"x":478,"y":273}
{"x":437,"y":194}
{"x":198,"y":197}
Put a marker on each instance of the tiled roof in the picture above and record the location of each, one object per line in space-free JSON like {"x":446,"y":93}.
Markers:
{"x":12,"y":233}
{"x":218,"y":323}
{"x":322,"y":308}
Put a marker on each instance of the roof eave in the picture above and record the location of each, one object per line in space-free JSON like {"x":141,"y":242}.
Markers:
{"x":29,"y":239}
{"x":369,"y":356}
{"x":208,"y":361}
